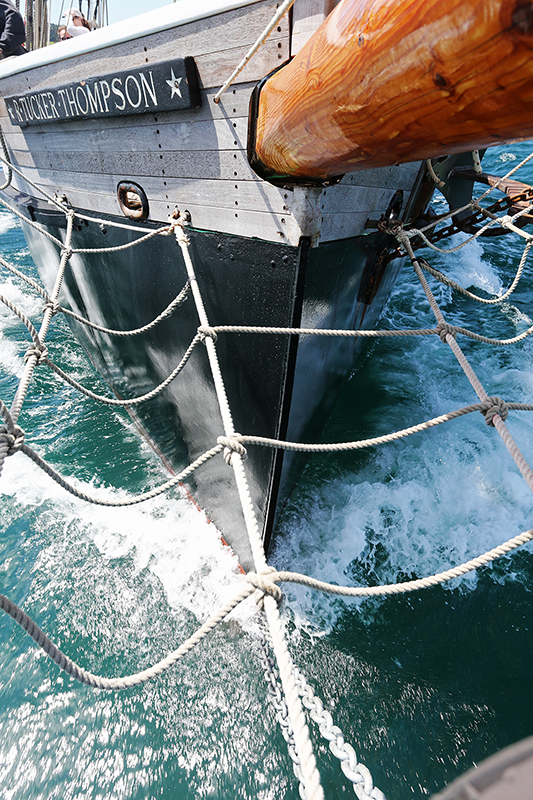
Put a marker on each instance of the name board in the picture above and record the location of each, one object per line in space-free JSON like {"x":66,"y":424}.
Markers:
{"x":167,"y":86}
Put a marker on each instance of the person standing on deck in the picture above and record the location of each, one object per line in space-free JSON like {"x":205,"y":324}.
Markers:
{"x":76,"y":23}
{"x":13,"y":33}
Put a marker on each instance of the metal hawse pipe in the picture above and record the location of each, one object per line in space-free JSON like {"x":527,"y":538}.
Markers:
{"x":383,"y":82}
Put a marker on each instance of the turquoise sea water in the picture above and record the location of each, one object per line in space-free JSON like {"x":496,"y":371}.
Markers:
{"x":423,"y":686}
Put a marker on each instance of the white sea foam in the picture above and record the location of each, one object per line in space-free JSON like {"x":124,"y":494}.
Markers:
{"x":444,"y":504}
{"x":503,"y":158}
{"x":435,"y":500}
{"x":414,"y":509}
{"x":469,"y":268}
{"x":8,"y":222}
{"x":14,"y":338}
{"x":409,"y":509}
{"x":169,"y":535}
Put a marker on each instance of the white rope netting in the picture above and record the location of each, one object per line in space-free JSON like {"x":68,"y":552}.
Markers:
{"x":263,"y":583}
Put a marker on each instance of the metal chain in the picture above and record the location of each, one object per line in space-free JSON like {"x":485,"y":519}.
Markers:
{"x":310,"y":774}
{"x":357,"y":773}
{"x":277,"y":698}
{"x":288,"y":705}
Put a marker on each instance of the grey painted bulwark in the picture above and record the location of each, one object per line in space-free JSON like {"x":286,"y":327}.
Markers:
{"x":168,"y":86}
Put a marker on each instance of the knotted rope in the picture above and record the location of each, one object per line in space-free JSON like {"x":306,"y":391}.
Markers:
{"x":11,"y":442}
{"x":263,"y":583}
{"x":495,"y":405}
{"x":38,"y":352}
{"x":443,"y":329}
{"x":232,"y":444}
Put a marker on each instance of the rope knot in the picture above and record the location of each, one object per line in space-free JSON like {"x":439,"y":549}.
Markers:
{"x":53,"y":305}
{"x":232,"y":444}
{"x":505,"y":220}
{"x":264,"y":582}
{"x":443,"y":329}
{"x":14,"y":440}
{"x":67,"y":251}
{"x":206,"y":332}
{"x":39,"y":351}
{"x":177,"y":222}
{"x":492,"y":406}
{"x":394,"y":227}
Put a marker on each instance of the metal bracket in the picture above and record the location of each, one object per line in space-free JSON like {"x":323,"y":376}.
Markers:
{"x":521,"y":194}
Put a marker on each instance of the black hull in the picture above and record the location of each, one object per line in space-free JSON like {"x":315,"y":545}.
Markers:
{"x":276,"y":385}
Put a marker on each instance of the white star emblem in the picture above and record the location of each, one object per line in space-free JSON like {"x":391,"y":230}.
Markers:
{"x":174,"y":84}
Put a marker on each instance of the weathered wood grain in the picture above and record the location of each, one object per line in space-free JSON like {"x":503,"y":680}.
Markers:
{"x":245,"y":195}
{"x":194,"y":159}
{"x":201,"y":134}
{"x":371,"y":199}
{"x":209,"y":164}
{"x":382,"y":177}
{"x":323,"y":215}
{"x":217,"y":43}
{"x":262,"y":223}
{"x":382,"y":82}
{"x":307,"y":16}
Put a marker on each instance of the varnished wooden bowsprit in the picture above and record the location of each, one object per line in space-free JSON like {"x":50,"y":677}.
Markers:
{"x":388,"y":81}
